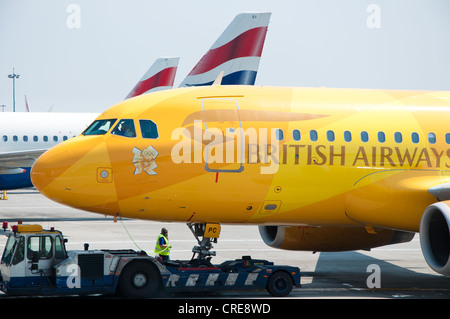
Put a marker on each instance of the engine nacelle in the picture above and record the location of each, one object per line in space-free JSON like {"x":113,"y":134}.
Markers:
{"x":435,"y":237}
{"x":330,"y":238}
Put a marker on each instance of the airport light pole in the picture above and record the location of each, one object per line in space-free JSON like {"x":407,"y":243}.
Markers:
{"x":14,"y":76}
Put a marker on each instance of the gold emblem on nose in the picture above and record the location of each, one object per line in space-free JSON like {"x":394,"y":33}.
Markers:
{"x":145,"y":160}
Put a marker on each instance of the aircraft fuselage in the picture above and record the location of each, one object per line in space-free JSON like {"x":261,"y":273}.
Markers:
{"x":260,"y":155}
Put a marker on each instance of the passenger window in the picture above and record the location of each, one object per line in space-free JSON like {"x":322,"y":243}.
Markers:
{"x":296,"y":135}
{"x":313,"y":135}
{"x":55,"y":138}
{"x":447,"y":138}
{"x":45,"y":138}
{"x":35,"y":138}
{"x":15,"y":138}
{"x":330,"y":136}
{"x":65,"y":138}
{"x":415,"y":137}
{"x":99,"y":127}
{"x":347,"y":136}
{"x":5,"y":138}
{"x":25,"y":138}
{"x":381,"y":137}
{"x":398,"y":137}
{"x":148,"y":129}
{"x":432,"y":138}
{"x":364,"y":136}
{"x":279,"y":135}
{"x":125,"y":128}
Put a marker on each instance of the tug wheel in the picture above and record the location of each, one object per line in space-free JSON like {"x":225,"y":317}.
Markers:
{"x":279,"y":284}
{"x":140,"y":280}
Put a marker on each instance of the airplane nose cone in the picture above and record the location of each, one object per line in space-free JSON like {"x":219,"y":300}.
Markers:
{"x":50,"y":166}
{"x":77,"y":173}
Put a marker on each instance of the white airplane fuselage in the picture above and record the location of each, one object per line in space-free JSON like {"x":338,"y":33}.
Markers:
{"x":22,"y":131}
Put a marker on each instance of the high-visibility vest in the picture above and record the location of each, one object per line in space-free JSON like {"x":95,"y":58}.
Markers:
{"x":162,"y":251}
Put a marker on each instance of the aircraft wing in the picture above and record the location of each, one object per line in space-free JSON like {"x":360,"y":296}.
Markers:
{"x":13,"y":160}
{"x":441,"y":191}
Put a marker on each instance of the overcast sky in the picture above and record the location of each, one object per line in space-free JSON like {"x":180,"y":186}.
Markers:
{"x":86,"y":55}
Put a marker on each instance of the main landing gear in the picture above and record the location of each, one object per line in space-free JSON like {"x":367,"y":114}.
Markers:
{"x":206,"y":234}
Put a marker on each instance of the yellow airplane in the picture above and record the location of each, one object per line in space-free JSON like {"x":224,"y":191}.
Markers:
{"x":316,"y":168}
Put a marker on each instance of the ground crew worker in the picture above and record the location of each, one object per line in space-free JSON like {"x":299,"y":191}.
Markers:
{"x":162,"y":247}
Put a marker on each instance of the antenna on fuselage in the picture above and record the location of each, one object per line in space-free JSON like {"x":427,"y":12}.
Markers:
{"x":218,"y":80}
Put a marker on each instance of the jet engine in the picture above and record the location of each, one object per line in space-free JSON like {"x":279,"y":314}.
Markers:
{"x":435,"y":237}
{"x":330,"y":238}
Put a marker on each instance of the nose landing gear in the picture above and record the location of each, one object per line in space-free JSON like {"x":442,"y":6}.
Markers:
{"x":206,"y":234}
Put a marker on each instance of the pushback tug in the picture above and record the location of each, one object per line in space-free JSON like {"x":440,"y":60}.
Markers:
{"x":35,"y":262}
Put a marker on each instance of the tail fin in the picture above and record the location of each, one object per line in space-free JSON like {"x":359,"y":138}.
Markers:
{"x":237,"y":53}
{"x":160,"y":76}
{"x":26,"y":104}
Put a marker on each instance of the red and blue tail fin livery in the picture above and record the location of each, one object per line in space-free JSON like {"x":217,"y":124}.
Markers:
{"x":237,"y":53}
{"x":160,"y":76}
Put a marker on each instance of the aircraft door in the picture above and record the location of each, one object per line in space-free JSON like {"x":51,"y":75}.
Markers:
{"x":223,"y":136}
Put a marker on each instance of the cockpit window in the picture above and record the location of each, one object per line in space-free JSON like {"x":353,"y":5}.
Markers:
{"x":99,"y":127}
{"x":125,"y":128}
{"x":148,"y":129}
